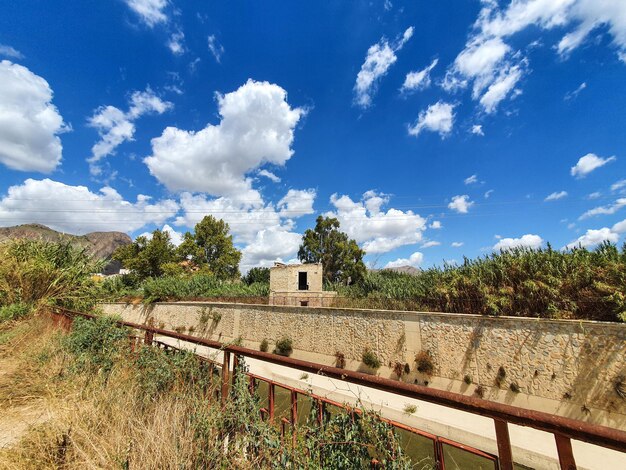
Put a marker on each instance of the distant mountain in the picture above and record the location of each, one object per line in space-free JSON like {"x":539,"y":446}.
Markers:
{"x":402,"y":269}
{"x":100,"y":244}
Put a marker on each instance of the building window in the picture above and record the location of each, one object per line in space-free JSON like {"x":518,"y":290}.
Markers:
{"x":304,"y":303}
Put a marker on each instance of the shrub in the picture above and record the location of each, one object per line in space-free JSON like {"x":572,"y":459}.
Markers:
{"x":370,"y":359}
{"x":14,"y":312}
{"x":398,"y":369}
{"x":500,"y":376}
{"x":409,"y":409}
{"x":467,"y":379}
{"x":425,"y":363}
{"x":479,"y":391}
{"x":514,"y":387}
{"x":284,"y":346}
{"x":264,"y":345}
{"x":340,"y":360}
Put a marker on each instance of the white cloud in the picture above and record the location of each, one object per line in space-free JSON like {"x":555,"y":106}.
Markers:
{"x":29,"y":122}
{"x":151,"y":12}
{"x":594,"y":195}
{"x":380,"y":57}
{"x":216,"y":48}
{"x":374,"y":229}
{"x":419,"y":80}
{"x":588,"y":163}
{"x":257,"y":127}
{"x":619,"y":227}
{"x":297,"y":203}
{"x":439,"y":117}
{"x":461,"y":204}
{"x":556,"y":196}
{"x":414,"y":260}
{"x":116,"y":126}
{"x":471,"y":179}
{"x":430,"y":244}
{"x":269,"y":175}
{"x":75,"y":209}
{"x":436,"y":225}
{"x":528,"y":241}
{"x":489,"y":63}
{"x":488,"y":193}
{"x":9,"y":51}
{"x":175,"y":237}
{"x":605,"y":210}
{"x":176,"y":43}
{"x":618,"y":185}
{"x":594,"y":237}
{"x":270,"y":245}
{"x":573,"y":94}
{"x":457,"y":244}
{"x":477,"y":129}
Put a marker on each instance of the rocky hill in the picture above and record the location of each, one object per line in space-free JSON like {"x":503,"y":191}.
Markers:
{"x":100,"y":244}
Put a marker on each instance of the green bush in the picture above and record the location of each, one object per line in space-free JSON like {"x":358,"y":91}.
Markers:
{"x":264,"y":345}
{"x":370,"y":359}
{"x":284,"y":346}
{"x":96,"y":344}
{"x":14,"y":312}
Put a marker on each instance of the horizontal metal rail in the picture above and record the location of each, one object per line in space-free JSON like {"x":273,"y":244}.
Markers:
{"x":562,"y":428}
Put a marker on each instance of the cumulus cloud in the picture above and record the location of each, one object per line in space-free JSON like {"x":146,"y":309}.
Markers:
{"x":430,"y":244}
{"x":414,"y":260}
{"x":593,"y":237}
{"x":115,"y":126}
{"x":269,"y":175}
{"x":257,"y":127}
{"x":460,"y":204}
{"x":436,"y":225}
{"x":528,"y":241}
{"x":588,"y":163}
{"x":380,"y":57}
{"x":216,"y":48}
{"x":9,"y":51}
{"x":175,"y":237}
{"x":29,"y":122}
{"x":555,"y":196}
{"x":297,"y":203}
{"x":268,"y":246}
{"x":418,"y":80}
{"x":494,"y":69}
{"x":605,"y":210}
{"x":75,"y":209}
{"x":376,"y":230}
{"x":151,"y":12}
{"x":439,"y":117}
{"x":456,"y":244}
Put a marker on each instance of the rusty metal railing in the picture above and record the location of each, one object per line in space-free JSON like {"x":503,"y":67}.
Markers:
{"x":563,"y":429}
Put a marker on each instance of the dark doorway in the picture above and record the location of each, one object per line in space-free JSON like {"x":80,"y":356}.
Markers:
{"x":302,"y":281}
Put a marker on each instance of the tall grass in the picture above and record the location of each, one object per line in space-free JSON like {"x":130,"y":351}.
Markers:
{"x":39,"y":273}
{"x":157,"y":410}
{"x":579,"y":284}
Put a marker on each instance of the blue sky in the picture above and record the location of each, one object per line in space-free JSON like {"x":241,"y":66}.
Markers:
{"x":432,"y":130}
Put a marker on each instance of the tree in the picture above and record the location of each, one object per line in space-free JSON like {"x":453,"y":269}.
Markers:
{"x":341,"y":257}
{"x":211,"y":247}
{"x":261,"y":275}
{"x":146,"y":257}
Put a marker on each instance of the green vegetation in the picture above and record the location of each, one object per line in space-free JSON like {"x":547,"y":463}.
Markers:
{"x":209,"y":251}
{"x":425,"y":363}
{"x":265,"y":345}
{"x":284,"y":346}
{"x":154,"y":409}
{"x":545,"y":283}
{"x":35,"y":274}
{"x":341,"y":257}
{"x":257,"y":275}
{"x":370,"y":359}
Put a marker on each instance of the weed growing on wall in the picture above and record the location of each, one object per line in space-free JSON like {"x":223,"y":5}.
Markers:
{"x":284,"y":346}
{"x":370,"y":359}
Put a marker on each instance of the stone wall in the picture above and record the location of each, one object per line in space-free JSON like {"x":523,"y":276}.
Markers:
{"x":570,"y":368}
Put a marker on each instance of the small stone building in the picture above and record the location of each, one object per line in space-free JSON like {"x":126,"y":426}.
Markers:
{"x":298,"y":285}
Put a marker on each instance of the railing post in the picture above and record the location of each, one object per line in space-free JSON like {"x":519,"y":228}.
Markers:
{"x":225,"y":375}
{"x":148,"y":337}
{"x":564,"y":448}
{"x":504,"y":444}
{"x":271,"y":400}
